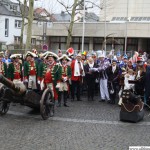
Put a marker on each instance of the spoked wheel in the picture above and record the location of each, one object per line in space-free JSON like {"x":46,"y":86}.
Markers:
{"x":4,"y":107}
{"x":47,"y":104}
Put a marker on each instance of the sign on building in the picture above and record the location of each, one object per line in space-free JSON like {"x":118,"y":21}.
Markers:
{"x":45,"y":47}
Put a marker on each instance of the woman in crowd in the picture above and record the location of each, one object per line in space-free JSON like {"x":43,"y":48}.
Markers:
{"x":90,"y":77}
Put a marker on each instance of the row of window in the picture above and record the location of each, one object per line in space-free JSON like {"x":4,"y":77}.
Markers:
{"x":97,"y":42}
{"x":17,"y":40}
{"x":18,"y":24}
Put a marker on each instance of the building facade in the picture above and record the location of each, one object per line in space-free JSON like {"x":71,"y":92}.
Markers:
{"x":120,"y":18}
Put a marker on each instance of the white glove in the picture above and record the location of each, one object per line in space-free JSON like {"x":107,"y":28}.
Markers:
{"x":70,"y":81}
{"x":93,"y":69}
{"x":39,"y":82}
{"x":58,"y":85}
{"x":26,"y":80}
{"x":65,"y":79}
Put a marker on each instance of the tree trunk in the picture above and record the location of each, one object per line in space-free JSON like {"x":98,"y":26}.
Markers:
{"x":69,"y":37}
{"x":30,"y":21}
{"x":23,"y":22}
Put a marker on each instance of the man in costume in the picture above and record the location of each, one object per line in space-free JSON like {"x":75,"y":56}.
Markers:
{"x":49,"y":74}
{"x":77,"y":70}
{"x":66,"y":76}
{"x":30,"y":70}
{"x":103,"y":77}
{"x":15,"y":68}
{"x":113,"y":80}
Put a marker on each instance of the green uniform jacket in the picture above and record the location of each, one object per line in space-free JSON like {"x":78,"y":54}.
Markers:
{"x":27,"y":68}
{"x":41,"y":70}
{"x":11,"y":71}
{"x":56,"y":72}
{"x":67,"y":72}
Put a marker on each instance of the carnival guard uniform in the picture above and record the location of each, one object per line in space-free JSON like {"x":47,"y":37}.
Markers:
{"x":30,"y":70}
{"x":49,"y":74}
{"x":66,"y":76}
{"x":15,"y":68}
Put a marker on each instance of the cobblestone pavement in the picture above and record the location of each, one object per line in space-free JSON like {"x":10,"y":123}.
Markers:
{"x":85,"y":125}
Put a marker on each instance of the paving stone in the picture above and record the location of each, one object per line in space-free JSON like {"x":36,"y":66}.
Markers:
{"x":82,"y":126}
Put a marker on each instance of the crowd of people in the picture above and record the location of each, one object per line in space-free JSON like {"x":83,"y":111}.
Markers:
{"x":69,"y":74}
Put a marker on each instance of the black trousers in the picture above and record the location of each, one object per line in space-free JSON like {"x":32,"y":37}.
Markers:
{"x":64,"y":94}
{"x":113,"y":96}
{"x":75,"y":89}
{"x":91,"y":87}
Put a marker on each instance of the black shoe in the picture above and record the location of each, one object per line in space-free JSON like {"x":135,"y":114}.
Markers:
{"x":102,"y":100}
{"x":66,"y":105}
{"x":59,"y":105}
{"x":92,"y":99}
{"x":72,"y":99}
{"x":109,"y":102}
{"x":79,"y":100}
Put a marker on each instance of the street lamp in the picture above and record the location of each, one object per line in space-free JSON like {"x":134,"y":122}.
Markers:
{"x":125,"y":46}
{"x":44,"y":31}
{"x":83,"y":31}
{"x":105,"y":28}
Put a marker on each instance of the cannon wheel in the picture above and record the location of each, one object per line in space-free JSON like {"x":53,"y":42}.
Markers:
{"x":4,"y":107}
{"x":47,"y":104}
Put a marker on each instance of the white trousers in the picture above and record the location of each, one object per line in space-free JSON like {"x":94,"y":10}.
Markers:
{"x":50,"y":86}
{"x":63,"y":86}
{"x":104,"y":89}
{"x":32,"y":82}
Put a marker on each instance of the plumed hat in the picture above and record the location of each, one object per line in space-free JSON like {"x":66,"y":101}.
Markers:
{"x":51,"y":54}
{"x":13,"y":56}
{"x":70,"y":51}
{"x":30,"y":54}
{"x":64,"y":56}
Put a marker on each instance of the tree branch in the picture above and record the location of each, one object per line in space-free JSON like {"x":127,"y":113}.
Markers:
{"x":64,"y":7}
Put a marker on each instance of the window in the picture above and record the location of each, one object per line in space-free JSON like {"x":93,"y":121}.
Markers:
{"x":13,"y":7}
{"x":6,"y":27}
{"x":18,"y":23}
{"x":98,"y":40}
{"x":16,"y":39}
{"x":33,"y":41}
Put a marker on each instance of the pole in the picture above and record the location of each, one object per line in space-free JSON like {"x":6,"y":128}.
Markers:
{"x":125,"y":46}
{"x":83,"y":31}
{"x":105,"y":29}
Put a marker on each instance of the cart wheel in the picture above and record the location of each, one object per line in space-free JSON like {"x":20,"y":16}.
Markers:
{"x":4,"y":107}
{"x":47,"y":104}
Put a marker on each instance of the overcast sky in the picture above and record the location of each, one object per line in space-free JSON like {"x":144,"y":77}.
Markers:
{"x":54,"y":7}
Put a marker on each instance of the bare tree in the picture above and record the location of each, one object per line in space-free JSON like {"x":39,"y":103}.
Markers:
{"x":30,"y":21}
{"x":23,"y":10}
{"x":73,"y":9}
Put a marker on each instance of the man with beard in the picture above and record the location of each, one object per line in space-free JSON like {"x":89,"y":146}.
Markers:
{"x":49,"y":74}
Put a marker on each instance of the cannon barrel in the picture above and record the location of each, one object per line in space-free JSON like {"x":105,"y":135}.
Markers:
{"x":16,"y":88}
